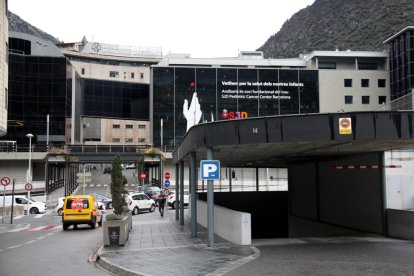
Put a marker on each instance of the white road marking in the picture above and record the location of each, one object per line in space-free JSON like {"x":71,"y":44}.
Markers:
{"x":98,"y":185}
{"x":19,"y":229}
{"x":39,"y":216}
{"x":39,"y":238}
{"x":36,"y":228}
{"x":92,"y":185}
{"x":18,"y":217}
{"x":29,"y":242}
{"x":14,"y":246}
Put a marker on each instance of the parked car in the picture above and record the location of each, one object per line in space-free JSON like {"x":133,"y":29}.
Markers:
{"x":81,"y":209}
{"x":171,"y":198}
{"x":59,"y":206}
{"x":19,"y":200}
{"x":138,"y":202}
{"x":151,"y":191}
{"x":130,"y":166}
{"x":107,"y":202}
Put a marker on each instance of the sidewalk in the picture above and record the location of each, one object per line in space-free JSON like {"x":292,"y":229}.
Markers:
{"x":161,"y":246}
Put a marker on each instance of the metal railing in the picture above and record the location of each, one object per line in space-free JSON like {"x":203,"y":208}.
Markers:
{"x":12,"y":146}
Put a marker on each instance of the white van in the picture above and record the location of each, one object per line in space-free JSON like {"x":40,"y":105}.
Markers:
{"x":34,"y":206}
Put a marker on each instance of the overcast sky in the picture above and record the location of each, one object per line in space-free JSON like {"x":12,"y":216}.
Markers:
{"x":213,"y":28}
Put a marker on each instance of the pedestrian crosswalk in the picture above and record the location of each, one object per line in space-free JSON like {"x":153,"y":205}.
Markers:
{"x":92,"y":185}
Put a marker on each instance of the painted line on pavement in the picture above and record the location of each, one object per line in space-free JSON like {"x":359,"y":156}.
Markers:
{"x":19,"y":229}
{"x":39,"y":216}
{"x":36,"y":228}
{"x":18,"y":217}
{"x":14,"y":246}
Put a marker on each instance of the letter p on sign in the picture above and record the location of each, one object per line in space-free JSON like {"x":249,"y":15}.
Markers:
{"x":210,"y":169}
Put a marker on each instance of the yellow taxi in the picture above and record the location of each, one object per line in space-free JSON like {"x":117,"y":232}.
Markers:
{"x":81,"y":209}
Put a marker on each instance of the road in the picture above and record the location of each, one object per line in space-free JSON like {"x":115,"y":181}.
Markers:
{"x":37,"y":245}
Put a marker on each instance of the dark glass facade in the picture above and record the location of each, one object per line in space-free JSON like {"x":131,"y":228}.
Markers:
{"x":228,"y":93}
{"x":401,"y":57}
{"x":115,"y":99}
{"x":37,"y":87}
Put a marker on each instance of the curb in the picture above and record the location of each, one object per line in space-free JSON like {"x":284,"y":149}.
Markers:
{"x":109,"y":266}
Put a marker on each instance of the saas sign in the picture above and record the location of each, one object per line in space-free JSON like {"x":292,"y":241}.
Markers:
{"x":210,"y":169}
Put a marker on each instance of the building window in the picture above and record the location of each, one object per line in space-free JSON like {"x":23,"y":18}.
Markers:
{"x":381,"y":83}
{"x":83,"y":71}
{"x":141,"y":126}
{"x":367,"y":66}
{"x":113,"y":74}
{"x":348,"y":82}
{"x":326,"y":65}
{"x":365,"y":99}
{"x":365,"y":83}
{"x":141,"y":140}
{"x":132,"y":75}
{"x":116,"y":126}
{"x":348,"y":99}
{"x":129,"y":126}
{"x":116,"y":140}
{"x":129,"y":140}
{"x":382,"y":99}
{"x":142,"y":75}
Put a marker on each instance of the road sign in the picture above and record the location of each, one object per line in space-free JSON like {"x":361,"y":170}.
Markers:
{"x":143,"y":175}
{"x":84,"y":177}
{"x":167,"y":183}
{"x":210,"y":169}
{"x":86,"y":174}
{"x":5,"y":181}
{"x":167,"y":175}
{"x":28,"y":186}
{"x":81,"y":179}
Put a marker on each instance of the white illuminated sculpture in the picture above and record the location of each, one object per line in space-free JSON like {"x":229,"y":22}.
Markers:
{"x":192,"y":113}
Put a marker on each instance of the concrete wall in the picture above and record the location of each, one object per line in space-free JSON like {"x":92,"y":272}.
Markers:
{"x":400,"y":224}
{"x":231,"y":225}
{"x":269,"y":210}
{"x":400,"y":181}
{"x":332,"y":91}
{"x":350,"y":198}
{"x":17,"y":210}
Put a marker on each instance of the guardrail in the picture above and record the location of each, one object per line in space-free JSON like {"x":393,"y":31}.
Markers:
{"x":12,"y":146}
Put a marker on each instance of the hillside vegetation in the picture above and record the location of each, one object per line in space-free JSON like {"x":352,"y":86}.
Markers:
{"x":342,"y":25}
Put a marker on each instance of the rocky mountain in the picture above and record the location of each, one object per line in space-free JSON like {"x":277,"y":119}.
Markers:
{"x":16,"y":24}
{"x":340,"y":24}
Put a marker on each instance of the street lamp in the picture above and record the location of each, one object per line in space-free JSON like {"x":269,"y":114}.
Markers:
{"x":29,"y":171}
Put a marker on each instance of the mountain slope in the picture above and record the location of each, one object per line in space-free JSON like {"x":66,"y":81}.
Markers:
{"x":339,"y":24}
{"x":16,"y":24}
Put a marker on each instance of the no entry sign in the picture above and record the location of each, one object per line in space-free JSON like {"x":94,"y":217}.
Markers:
{"x":143,"y":175}
{"x":167,"y":175}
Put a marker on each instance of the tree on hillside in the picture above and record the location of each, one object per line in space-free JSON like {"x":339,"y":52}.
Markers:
{"x":117,"y":186}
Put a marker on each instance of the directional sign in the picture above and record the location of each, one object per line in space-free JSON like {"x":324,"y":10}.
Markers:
{"x":80,"y":180}
{"x":5,"y":181}
{"x":167,"y":175}
{"x":210,"y":169}
{"x":167,"y":183}
{"x":28,"y":186}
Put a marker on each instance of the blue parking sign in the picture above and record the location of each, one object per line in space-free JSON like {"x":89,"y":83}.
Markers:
{"x":210,"y":169}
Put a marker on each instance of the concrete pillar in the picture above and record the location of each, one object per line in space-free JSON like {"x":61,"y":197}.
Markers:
{"x":193,"y":189}
{"x":210,"y":204}
{"x":181,"y":193}
{"x":177,"y":184}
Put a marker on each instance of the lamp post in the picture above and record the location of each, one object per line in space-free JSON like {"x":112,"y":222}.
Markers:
{"x":29,"y":170}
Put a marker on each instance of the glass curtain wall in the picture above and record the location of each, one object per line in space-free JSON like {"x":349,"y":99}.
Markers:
{"x":226,"y":94}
